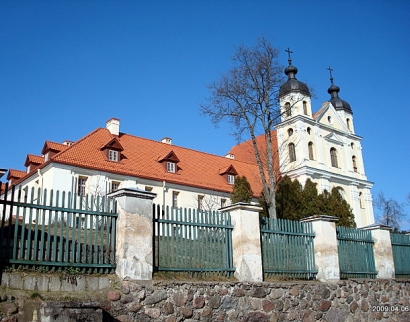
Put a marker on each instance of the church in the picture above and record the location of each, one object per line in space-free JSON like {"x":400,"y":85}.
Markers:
{"x":321,"y":146}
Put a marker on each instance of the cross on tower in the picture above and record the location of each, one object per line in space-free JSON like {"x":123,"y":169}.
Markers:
{"x":330,"y":71}
{"x":289,"y":52}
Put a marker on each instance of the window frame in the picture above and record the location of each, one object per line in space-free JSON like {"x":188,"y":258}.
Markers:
{"x":81,"y":185}
{"x":292,"y":152}
{"x":231,"y":179}
{"x":113,"y":155}
{"x":171,"y":168}
{"x":333,"y":158}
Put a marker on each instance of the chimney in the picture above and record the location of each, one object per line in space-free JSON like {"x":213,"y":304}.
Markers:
{"x":68,"y":143}
{"x":113,"y":125}
{"x":167,"y":141}
{"x":230,"y":156}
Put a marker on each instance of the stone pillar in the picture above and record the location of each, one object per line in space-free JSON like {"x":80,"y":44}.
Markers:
{"x":246,"y":242}
{"x":325,"y":244}
{"x":134,"y":234}
{"x":383,"y":252}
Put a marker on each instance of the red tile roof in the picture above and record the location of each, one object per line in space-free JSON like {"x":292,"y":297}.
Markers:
{"x":140,"y":158}
{"x":15,"y":174}
{"x":33,"y":159}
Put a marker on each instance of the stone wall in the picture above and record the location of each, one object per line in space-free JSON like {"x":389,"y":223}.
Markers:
{"x":126,"y":301}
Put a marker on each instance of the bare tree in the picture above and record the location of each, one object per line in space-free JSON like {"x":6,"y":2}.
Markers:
{"x":247,"y":96}
{"x":392,"y":212}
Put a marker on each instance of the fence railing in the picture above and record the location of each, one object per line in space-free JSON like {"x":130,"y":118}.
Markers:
{"x":194,"y":241}
{"x":401,"y":254}
{"x":287,"y":249}
{"x":51,"y":230}
{"x":356,"y":256}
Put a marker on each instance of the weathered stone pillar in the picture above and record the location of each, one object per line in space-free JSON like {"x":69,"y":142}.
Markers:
{"x":134,"y":233}
{"x":383,"y":252}
{"x":325,"y":244}
{"x":246,"y":242}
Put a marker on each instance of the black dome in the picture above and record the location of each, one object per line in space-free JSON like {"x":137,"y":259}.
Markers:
{"x":292,"y":84}
{"x":338,"y":103}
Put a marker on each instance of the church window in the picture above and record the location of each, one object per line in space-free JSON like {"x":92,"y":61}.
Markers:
{"x":329,"y":119}
{"x":292,"y":152}
{"x":333,"y":157}
{"x":310,"y":150}
{"x":305,"y":108}
{"x":348,"y":124}
{"x":352,"y":145}
{"x":290,"y":132}
{"x":361,"y":200}
{"x":354,"y":163}
{"x":309,"y":130}
{"x":288,"y":110}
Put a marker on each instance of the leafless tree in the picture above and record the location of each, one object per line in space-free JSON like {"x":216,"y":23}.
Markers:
{"x":392,"y":212}
{"x":247,"y":96}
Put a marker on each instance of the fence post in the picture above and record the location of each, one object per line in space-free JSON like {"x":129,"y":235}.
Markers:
{"x":134,"y":233}
{"x":383,"y":251}
{"x":246,"y":242}
{"x":325,"y":244}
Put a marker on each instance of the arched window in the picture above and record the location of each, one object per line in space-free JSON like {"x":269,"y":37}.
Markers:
{"x":361,"y":200}
{"x":292,"y":152}
{"x":348,"y":124}
{"x":333,"y":157}
{"x":310,"y":150}
{"x":290,"y":132}
{"x":287,"y":109}
{"x":354,"y":164}
{"x":309,"y":130}
{"x":305,"y":108}
{"x":342,"y":192}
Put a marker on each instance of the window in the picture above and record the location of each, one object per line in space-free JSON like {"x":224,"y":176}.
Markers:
{"x":288,"y":110}
{"x":292,"y":152}
{"x":231,"y":179}
{"x":171,"y":167}
{"x":305,"y":108}
{"x":175,"y":198}
{"x":81,"y":183}
{"x":310,"y":150}
{"x":329,"y":119}
{"x":113,"y":155}
{"x":361,"y":200}
{"x":348,"y":124}
{"x":352,"y":145}
{"x":147,"y":188}
{"x":115,"y":185}
{"x":354,"y":164}
{"x":200,"y":202}
{"x":223,"y":202}
{"x":290,"y":132}
{"x":333,"y":157}
{"x":309,"y":130}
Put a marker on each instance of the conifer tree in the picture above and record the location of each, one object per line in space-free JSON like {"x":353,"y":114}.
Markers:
{"x":310,"y":200}
{"x":333,"y":204}
{"x":289,"y":199}
{"x":242,"y":191}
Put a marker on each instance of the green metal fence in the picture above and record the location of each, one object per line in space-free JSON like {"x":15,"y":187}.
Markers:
{"x":193,"y":241}
{"x":356,"y":256}
{"x":287,"y":249}
{"x":401,"y":254}
{"x":51,"y":230}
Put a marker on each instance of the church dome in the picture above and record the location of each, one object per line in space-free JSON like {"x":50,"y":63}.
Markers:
{"x":292,"y":84}
{"x":338,"y":103}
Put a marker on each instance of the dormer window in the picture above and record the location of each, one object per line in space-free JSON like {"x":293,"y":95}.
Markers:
{"x":112,"y":150}
{"x":171,"y":167}
{"x":170,"y":162}
{"x":231,"y":179}
{"x":113,"y":155}
{"x":229,"y":174}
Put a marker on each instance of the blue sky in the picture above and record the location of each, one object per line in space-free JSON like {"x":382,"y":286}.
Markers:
{"x":66,"y":67}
